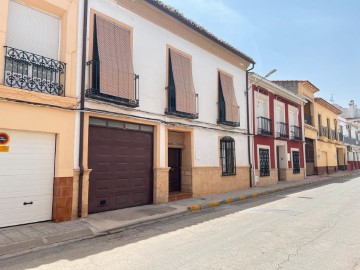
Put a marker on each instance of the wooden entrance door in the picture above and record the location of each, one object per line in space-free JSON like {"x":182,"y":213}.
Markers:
{"x":310,"y":159}
{"x":174,"y":162}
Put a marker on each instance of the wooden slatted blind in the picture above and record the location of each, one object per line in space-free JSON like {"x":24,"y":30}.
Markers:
{"x":184,"y":84}
{"x":116,"y":66}
{"x":231,"y":106}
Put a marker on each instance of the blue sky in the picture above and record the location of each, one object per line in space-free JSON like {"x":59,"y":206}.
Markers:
{"x":315,"y":40}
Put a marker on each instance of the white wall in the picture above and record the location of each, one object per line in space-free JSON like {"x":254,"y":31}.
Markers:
{"x":149,"y":57}
{"x":207,"y":145}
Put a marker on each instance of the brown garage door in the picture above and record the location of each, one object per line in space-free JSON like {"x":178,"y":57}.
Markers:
{"x":122,"y":168}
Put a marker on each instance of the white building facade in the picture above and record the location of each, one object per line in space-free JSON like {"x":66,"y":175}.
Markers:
{"x":349,"y":131}
{"x":165,"y":113}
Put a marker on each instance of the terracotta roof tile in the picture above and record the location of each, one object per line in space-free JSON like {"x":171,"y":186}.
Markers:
{"x":198,"y":28}
{"x":327,"y":105}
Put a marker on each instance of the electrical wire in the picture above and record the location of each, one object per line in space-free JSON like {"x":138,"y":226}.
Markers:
{"x":104,"y":112}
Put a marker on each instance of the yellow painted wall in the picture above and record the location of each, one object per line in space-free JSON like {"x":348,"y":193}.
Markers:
{"x":328,"y":159}
{"x":304,"y":89}
{"x":325,"y":114}
{"x":311,"y":133}
{"x":325,"y":152}
{"x":41,"y":117}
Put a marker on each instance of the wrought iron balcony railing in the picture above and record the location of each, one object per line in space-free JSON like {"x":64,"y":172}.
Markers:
{"x":324,"y":132}
{"x":333,"y":135}
{"x":29,"y":71}
{"x":222,"y":116}
{"x":308,"y":119}
{"x":281,"y":130}
{"x":264,"y":126}
{"x":341,"y":137}
{"x":172,"y":110}
{"x":94,"y":91}
{"x":295,"y":133}
{"x":351,"y":141}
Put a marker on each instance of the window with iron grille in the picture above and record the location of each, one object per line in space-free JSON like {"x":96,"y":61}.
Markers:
{"x":264,"y":157}
{"x":227,"y":156}
{"x":296,"y":162}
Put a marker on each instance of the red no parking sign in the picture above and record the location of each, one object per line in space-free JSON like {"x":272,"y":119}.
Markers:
{"x":4,"y":138}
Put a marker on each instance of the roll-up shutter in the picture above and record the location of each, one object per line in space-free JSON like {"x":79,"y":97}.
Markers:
{"x":33,"y":31}
{"x":184,"y":84}
{"x":116,"y":67}
{"x":231,"y":106}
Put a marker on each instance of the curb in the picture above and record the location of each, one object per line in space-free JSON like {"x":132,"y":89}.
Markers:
{"x":35,"y":244}
{"x":21,"y":248}
{"x":199,"y":207}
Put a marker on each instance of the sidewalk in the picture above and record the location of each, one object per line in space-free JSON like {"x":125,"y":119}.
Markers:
{"x":24,"y":238}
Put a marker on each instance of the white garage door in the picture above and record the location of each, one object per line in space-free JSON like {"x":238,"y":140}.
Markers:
{"x":26,"y":178}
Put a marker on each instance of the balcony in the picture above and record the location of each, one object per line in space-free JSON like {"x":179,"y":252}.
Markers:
{"x":295,"y":133}
{"x":351,"y":141}
{"x":33,"y":72}
{"x":171,"y":110}
{"x":281,"y":130}
{"x":264,"y":126}
{"x":333,"y":135}
{"x":308,"y":119}
{"x":95,"y":92}
{"x":341,"y":137}
{"x":324,"y":132}
{"x":222,"y":116}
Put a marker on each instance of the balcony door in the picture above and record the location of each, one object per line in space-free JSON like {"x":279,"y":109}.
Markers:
{"x":280,"y":122}
{"x":293,"y":118}
{"x":32,"y":51}
{"x":261,"y":109}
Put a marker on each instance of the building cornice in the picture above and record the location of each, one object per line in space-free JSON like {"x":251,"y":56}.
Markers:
{"x":327,"y":105}
{"x":160,"y":14}
{"x":276,"y":89}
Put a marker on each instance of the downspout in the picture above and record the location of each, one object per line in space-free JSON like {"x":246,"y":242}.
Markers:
{"x":248,"y":122}
{"x":82,"y":107}
{"x":303,"y":137}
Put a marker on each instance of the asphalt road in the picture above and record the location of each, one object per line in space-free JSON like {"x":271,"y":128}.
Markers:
{"x":311,"y":228}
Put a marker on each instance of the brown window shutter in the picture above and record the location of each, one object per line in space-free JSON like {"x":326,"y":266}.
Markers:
{"x":184,"y":84}
{"x":231,"y":106}
{"x":116,"y":67}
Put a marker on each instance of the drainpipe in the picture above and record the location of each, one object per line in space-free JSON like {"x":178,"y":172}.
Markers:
{"x":82,"y":107}
{"x":248,"y":122}
{"x":303,"y":136}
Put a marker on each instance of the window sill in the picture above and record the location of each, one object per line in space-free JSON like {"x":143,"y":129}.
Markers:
{"x":182,"y":114}
{"x":95,"y":94}
{"x":227,"y":123}
{"x":228,"y":174}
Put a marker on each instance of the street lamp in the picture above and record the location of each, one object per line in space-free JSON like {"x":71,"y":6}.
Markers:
{"x":266,"y":76}
{"x":270,"y":73}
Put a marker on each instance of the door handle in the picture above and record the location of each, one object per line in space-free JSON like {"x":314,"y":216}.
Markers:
{"x":26,"y":203}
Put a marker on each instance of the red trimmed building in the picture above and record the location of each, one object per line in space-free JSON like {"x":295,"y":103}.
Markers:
{"x":277,"y":126}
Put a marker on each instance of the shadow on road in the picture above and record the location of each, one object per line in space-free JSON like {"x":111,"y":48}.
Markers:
{"x":82,"y":249}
